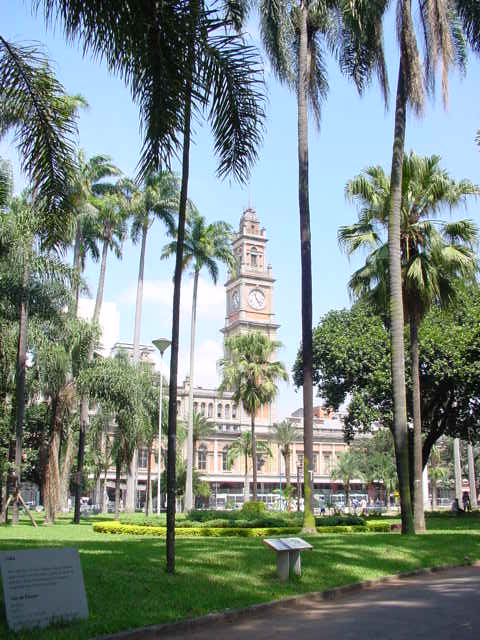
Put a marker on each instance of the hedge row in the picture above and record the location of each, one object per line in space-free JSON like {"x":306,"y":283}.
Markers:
{"x":217,"y":532}
{"x":265,"y":522}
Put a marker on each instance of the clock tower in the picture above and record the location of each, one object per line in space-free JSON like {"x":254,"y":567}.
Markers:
{"x":249,"y":290}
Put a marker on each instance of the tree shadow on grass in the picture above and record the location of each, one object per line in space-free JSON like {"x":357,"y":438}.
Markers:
{"x":127,"y":585}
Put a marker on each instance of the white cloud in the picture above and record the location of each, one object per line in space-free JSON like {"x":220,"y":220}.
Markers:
{"x":109,"y":321}
{"x":210,"y":300}
{"x":207,"y":353}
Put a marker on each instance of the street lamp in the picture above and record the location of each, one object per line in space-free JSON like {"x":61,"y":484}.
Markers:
{"x":162,"y":345}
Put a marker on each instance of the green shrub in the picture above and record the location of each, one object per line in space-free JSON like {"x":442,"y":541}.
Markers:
{"x":216,"y":532}
{"x":332,"y":521}
{"x":253,"y":509}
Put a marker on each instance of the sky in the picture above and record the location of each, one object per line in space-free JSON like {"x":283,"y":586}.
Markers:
{"x":355,"y":132}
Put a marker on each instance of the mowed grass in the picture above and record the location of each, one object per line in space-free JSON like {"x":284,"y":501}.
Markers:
{"x":127,"y":586}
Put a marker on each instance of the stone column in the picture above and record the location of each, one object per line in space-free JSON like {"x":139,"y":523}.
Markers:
{"x":471,"y":477}
{"x":458,"y":471}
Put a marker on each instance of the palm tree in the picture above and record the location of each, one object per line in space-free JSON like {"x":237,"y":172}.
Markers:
{"x":157,"y":199}
{"x":434,"y":254}
{"x":469,"y":12}
{"x":89,"y":175}
{"x":111,"y":212}
{"x":438,"y":474}
{"x":30,"y":268}
{"x":346,"y":469}
{"x":205,"y":245}
{"x":35,"y":107}
{"x":242,"y":448}
{"x":5,"y":182}
{"x":443,"y":39}
{"x":202,"y":428}
{"x":294,"y":35}
{"x":285,"y":434}
{"x":249,"y":371}
{"x":197,"y":62}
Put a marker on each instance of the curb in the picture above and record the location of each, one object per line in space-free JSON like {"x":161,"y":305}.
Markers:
{"x":153,"y":632}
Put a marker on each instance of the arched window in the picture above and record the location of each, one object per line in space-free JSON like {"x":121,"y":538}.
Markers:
{"x":219,"y":410}
{"x":227,"y":411}
{"x":210,"y":410}
{"x":253,"y":257}
{"x":195,"y":406}
{"x":225,"y":458}
{"x":234,"y":410}
{"x":179,"y":404}
{"x":202,"y":458}
{"x":202,"y":408}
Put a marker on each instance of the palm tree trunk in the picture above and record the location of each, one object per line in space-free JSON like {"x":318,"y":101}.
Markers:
{"x":84,"y":399}
{"x":306,"y":258}
{"x":254,"y":458}
{"x":457,"y":470}
{"x":418,"y":506}
{"x":20,"y":389}
{"x":138,"y":305}
{"x":396,"y":309}
{"x":189,"y":482}
{"x":77,"y":266}
{"x":471,"y":477}
{"x":117,"y":488}
{"x":246,"y":488}
{"x":434,"y":493}
{"x":149,"y":481}
{"x":66,"y":469}
{"x":177,"y":280}
{"x":288,"y":478}
{"x":52,"y":479}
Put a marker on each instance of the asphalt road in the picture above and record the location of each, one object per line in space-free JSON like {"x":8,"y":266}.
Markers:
{"x":438,"y":606}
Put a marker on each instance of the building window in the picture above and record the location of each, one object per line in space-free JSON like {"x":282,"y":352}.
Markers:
{"x":195,"y":407}
{"x":210,"y":410}
{"x":315,"y":458}
{"x":142,"y":458}
{"x":202,"y":458}
{"x":327,"y":462}
{"x":234,"y":410}
{"x":260,"y":462}
{"x":202,"y":408}
{"x":219,"y":410}
{"x":225,"y":458}
{"x":179,"y":404}
{"x":253,"y":257}
{"x":227,"y":411}
{"x":300,"y":461}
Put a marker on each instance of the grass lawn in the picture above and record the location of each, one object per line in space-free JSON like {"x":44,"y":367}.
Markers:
{"x":127,"y":585}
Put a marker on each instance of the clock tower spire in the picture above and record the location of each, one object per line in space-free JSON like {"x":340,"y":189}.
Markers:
{"x":249,"y":290}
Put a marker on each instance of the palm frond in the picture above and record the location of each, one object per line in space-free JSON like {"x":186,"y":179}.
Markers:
{"x":35,"y":107}
{"x":233,"y":82}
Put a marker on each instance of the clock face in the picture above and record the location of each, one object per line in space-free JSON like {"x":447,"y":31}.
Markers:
{"x":256,"y":299}
{"x":235,"y":300}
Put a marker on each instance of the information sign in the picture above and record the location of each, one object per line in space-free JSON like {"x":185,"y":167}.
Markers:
{"x":42,"y":586}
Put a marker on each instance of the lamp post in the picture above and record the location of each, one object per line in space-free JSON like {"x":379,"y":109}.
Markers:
{"x":162,"y":345}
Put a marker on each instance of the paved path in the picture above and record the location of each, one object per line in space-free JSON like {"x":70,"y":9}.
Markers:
{"x":439,"y":606}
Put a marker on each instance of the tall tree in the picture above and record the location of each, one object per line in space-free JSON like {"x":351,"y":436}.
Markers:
{"x":205,"y":245}
{"x":157,"y":199}
{"x":111,"y":212}
{"x":434,"y":255}
{"x":249,"y":371}
{"x":285,"y":434}
{"x":28,"y":266}
{"x":444,"y":41}
{"x":346,"y":469}
{"x":242,"y":448}
{"x":174,"y":56}
{"x":295,"y":34}
{"x":88,"y":231}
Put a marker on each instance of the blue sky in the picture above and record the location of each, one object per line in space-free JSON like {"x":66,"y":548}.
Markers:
{"x":355,"y":132}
